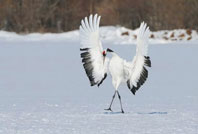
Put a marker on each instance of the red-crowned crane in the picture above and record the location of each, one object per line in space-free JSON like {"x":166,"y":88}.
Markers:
{"x":97,"y":64}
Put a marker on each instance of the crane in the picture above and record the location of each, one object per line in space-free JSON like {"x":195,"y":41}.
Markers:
{"x":97,"y":65}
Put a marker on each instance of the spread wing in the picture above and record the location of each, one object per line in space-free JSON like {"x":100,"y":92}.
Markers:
{"x":95,"y":64}
{"x":137,"y":69}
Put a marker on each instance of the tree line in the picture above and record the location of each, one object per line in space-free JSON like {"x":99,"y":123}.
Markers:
{"x":24,"y":16}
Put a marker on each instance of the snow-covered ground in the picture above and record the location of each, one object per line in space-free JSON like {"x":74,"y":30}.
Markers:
{"x":110,"y":35}
{"x":44,"y":89}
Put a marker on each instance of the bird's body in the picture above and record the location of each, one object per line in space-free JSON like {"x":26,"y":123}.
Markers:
{"x":97,"y":64}
{"x":116,"y":69}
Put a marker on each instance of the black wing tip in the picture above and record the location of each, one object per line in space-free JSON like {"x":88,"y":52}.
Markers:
{"x":128,"y":84}
{"x":105,"y":75}
{"x":85,"y":55}
{"x":147,"y":61}
{"x":84,"y":49}
{"x":86,"y":59}
{"x":141,"y":81}
{"x":133,"y":90}
{"x":92,"y":84}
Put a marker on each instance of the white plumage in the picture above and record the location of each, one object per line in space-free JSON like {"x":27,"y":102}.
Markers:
{"x":96,"y":63}
{"x":93,"y":59}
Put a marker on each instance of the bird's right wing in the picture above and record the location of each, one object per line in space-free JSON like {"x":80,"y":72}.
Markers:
{"x":95,"y":64}
{"x":137,"y":70}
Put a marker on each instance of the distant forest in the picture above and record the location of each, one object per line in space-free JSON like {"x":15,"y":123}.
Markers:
{"x":24,"y":16}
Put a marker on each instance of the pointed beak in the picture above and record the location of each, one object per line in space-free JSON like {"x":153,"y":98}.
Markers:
{"x":109,"y":50}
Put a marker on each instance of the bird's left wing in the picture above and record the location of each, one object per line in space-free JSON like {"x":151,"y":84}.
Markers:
{"x":136,"y":70}
{"x":95,"y":64}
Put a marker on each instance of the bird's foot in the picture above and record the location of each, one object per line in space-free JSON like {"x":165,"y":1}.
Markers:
{"x":108,"y":109}
{"x":122,"y":111}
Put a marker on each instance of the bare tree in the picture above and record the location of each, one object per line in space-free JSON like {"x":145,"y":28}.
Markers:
{"x":59,"y":15}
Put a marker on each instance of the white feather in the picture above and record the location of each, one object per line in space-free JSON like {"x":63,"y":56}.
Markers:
{"x":141,"y":51}
{"x":89,"y":38}
{"x":120,"y":70}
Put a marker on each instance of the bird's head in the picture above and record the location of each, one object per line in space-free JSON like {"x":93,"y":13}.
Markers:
{"x":104,"y":53}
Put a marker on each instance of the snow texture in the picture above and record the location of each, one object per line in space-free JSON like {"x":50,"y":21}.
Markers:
{"x":44,"y":89}
{"x":110,"y":35}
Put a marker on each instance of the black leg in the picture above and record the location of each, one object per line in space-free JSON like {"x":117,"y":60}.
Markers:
{"x":111,"y":102}
{"x":120,"y":102}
